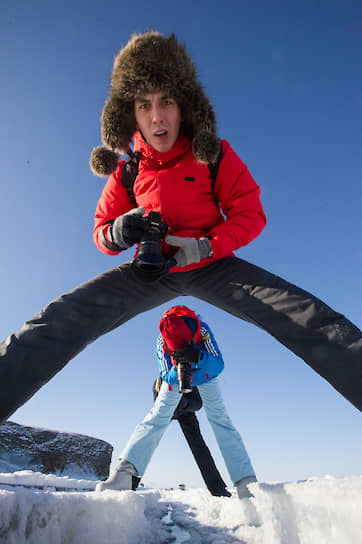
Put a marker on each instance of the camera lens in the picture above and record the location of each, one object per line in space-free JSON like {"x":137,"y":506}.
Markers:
{"x":184,"y":377}
{"x":150,"y":264}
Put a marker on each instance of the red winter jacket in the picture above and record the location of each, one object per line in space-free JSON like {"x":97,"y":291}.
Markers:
{"x":180,"y":188}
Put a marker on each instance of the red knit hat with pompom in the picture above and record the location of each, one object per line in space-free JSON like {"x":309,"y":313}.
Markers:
{"x":178,"y":325}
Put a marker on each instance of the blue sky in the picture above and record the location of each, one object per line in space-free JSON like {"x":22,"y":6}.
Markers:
{"x":286,"y":82}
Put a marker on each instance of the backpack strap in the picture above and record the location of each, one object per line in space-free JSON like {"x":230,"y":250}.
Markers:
{"x":130,"y":172}
{"x":214,"y":167}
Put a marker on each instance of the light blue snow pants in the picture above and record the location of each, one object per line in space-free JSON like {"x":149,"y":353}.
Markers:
{"x":147,"y":435}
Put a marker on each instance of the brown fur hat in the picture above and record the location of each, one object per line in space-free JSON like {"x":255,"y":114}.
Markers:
{"x":151,"y":62}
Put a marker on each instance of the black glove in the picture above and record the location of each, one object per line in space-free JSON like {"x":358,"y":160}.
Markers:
{"x":188,"y":354}
{"x":129,"y":228}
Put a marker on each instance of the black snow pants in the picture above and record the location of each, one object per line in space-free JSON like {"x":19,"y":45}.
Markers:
{"x":211,"y":476}
{"x":324,"y":339}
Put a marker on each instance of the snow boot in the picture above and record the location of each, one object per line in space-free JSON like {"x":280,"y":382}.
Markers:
{"x":223,"y":492}
{"x":242,"y":487}
{"x":120,"y":479}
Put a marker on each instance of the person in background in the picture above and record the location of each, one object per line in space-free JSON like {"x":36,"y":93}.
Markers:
{"x":184,"y":340}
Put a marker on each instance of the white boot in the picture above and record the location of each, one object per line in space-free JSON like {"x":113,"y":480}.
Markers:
{"x":120,"y":479}
{"x":242,"y":487}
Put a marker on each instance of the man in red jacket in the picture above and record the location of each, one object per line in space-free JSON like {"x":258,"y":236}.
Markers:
{"x":157,"y":101}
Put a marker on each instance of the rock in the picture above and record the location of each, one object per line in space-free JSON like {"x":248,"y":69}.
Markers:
{"x":53,"y":452}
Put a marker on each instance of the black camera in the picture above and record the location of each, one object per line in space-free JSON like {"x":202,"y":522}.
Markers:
{"x":150,"y":264}
{"x":184,"y":377}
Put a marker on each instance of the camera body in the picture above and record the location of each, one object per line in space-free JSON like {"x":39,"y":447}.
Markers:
{"x":150,"y":263}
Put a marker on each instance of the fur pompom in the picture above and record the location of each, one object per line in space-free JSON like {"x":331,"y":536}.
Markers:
{"x":206,"y":147}
{"x":103,"y":161}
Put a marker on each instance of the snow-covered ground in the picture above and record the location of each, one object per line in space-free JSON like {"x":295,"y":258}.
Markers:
{"x":315,"y":511}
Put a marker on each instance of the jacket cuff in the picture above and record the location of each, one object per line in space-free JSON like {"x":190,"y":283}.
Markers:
{"x":204,"y":246}
{"x":103,"y":232}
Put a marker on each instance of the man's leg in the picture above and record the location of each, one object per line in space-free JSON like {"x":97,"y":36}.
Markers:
{"x":147,"y":434}
{"x":231,"y":445}
{"x":212,"y":477}
{"x":323,"y":338}
{"x":44,"y":345}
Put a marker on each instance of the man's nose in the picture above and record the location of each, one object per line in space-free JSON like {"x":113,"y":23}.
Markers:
{"x":156,"y":115}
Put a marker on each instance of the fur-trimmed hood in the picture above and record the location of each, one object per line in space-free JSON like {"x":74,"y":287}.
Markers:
{"x":151,"y":62}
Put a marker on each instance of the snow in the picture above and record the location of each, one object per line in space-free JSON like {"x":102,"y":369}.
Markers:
{"x":315,"y":511}
{"x":37,"y":479}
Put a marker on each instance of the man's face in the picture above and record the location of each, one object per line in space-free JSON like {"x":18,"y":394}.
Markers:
{"x":158,"y":117}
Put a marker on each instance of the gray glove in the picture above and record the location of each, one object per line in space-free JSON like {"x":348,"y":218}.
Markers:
{"x":129,"y":228}
{"x":191,"y":250}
